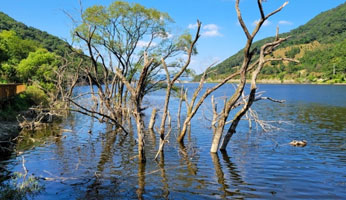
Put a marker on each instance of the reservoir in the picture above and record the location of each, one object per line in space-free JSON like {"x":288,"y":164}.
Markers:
{"x":81,"y":158}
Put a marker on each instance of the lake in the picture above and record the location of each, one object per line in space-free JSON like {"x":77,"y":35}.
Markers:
{"x":90,"y":161}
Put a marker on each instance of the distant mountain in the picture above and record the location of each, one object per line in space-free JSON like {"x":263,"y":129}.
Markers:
{"x":320,"y":45}
{"x":48,"y":41}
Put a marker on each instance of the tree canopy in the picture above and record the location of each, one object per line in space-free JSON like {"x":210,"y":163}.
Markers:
{"x":12,"y":50}
{"x":39,"y":66}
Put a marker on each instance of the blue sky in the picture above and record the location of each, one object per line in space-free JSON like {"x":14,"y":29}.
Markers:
{"x":221,"y":34}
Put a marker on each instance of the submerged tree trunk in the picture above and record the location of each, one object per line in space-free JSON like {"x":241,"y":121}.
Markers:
{"x":140,"y":134}
{"x":215,"y":115}
{"x":192,"y":108}
{"x":152,"y":119}
{"x":248,"y":54}
{"x":179,"y":109}
{"x":265,"y":50}
{"x":170,"y":84}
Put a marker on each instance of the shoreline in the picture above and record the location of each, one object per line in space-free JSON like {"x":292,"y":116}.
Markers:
{"x":8,"y":132}
{"x":273,"y":81}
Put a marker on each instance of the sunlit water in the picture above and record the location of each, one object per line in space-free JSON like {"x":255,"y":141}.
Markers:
{"x":102,"y":164}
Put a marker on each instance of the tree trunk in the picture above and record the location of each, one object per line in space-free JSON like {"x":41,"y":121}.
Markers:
{"x":215,"y":115}
{"x":152,"y":119}
{"x":184,"y":129}
{"x":217,"y":136}
{"x":141,"y":150}
{"x":179,"y":109}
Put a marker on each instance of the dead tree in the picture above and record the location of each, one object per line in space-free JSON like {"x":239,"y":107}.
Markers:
{"x":192,"y":108}
{"x":171,"y":82}
{"x":248,"y":55}
{"x":181,"y":99}
{"x":126,"y":44}
{"x":67,"y":77}
{"x":265,"y":50}
{"x":152,"y":119}
{"x":215,"y":115}
{"x":247,"y":66}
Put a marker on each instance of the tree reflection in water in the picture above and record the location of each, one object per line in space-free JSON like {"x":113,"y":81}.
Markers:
{"x":235,"y":178}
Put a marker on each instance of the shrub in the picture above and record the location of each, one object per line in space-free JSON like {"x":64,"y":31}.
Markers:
{"x":37,"y":95}
{"x":10,"y":108}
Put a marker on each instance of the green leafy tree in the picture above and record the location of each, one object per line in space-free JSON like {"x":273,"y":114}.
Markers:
{"x":121,"y":33}
{"x":132,"y":42}
{"x":39,"y":66}
{"x":13,"y":47}
{"x":12,"y":50}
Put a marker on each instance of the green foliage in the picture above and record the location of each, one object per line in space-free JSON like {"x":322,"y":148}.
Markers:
{"x":13,"y":47}
{"x":30,"y":56}
{"x":293,"y":52}
{"x":123,"y":28}
{"x":47,"y":41}
{"x":329,"y":62}
{"x":33,"y":95}
{"x":120,"y":19}
{"x":12,"y":50}
{"x":124,"y":31}
{"x":281,"y":76}
{"x":10,"y":108}
{"x":184,"y":41}
{"x":39,"y":66}
{"x":326,"y":27}
{"x":37,"y":95}
{"x":21,"y":60}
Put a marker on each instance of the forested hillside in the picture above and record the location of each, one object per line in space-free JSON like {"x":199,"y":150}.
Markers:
{"x":47,"y":41}
{"x":32,"y":57}
{"x":319,"y":45}
{"x":28,"y":53}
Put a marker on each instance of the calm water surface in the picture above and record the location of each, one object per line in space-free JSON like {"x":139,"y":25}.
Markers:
{"x":103,"y":165}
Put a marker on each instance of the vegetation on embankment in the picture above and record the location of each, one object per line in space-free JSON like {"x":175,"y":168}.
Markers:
{"x":12,"y":107}
{"x":319,"y":45}
{"x":32,"y":57}
{"x":25,"y":61}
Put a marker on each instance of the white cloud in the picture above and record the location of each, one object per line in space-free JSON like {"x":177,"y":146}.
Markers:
{"x":266,"y":23}
{"x":169,"y":35}
{"x":210,"y":27}
{"x":142,"y":43}
{"x":192,"y":26}
{"x":283,"y":22}
{"x":211,"y":30}
{"x":211,"y":33}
